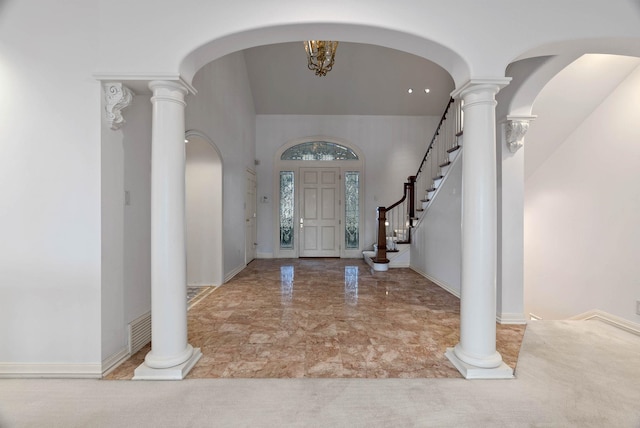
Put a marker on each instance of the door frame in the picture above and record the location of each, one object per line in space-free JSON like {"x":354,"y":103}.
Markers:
{"x":294,"y":166}
{"x":337,"y":207}
{"x":250,"y":176}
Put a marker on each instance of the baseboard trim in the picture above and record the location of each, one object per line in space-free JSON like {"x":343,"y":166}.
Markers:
{"x":201,"y":297}
{"x":437,"y":282}
{"x":112,"y":362}
{"x":511,"y":319}
{"x":607,"y":318}
{"x":50,"y":371}
{"x":233,"y":273}
{"x":264,"y":255}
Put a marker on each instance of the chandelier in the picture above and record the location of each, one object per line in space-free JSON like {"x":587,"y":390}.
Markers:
{"x":321,"y":54}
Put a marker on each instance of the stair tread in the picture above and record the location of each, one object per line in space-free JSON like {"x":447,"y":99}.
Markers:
{"x":438,"y":177}
{"x":445,"y":164}
{"x":453,"y":149}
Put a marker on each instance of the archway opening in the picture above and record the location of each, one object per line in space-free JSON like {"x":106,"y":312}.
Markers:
{"x":203,"y":177}
{"x":580,"y":170}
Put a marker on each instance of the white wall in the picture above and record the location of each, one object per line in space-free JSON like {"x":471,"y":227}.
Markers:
{"x":393,"y":147}
{"x":436,"y":246}
{"x":112,"y":248}
{"x":582,"y":237}
{"x":204,"y":213}
{"x":137,"y":215}
{"x":223,"y":110}
{"x":50,"y":186}
{"x":126,"y":229}
{"x":510,"y":231}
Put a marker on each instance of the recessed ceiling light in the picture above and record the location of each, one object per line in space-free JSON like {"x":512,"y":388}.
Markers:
{"x":410,"y":91}
{"x":186,"y":141}
{"x":426,"y":91}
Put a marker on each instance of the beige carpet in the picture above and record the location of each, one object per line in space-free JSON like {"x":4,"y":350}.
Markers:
{"x":570,"y":374}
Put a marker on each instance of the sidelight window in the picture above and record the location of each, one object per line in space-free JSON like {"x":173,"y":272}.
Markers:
{"x":352,"y":209}
{"x":286,"y":209}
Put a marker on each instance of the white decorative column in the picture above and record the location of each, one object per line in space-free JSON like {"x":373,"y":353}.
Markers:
{"x":171,"y":357}
{"x":510,"y":279}
{"x":475,"y":356}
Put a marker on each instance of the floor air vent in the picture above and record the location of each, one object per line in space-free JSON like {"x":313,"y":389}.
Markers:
{"x":139,"y":333}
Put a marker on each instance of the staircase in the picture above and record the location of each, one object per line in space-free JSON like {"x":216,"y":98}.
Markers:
{"x":432,"y":192}
{"x":399,"y":258}
{"x":396,"y":222}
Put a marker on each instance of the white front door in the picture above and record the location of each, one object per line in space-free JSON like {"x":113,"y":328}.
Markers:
{"x":319,"y":212}
{"x":250,"y":218}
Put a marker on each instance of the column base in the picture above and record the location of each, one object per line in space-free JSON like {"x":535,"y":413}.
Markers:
{"x":144,"y":372}
{"x":503,"y":371}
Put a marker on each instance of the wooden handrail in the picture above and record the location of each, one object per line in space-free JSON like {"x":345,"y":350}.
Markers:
{"x":433,"y":140}
{"x":409,"y":191}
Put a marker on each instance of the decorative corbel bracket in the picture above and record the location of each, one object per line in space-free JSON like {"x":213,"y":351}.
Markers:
{"x":515,"y":129}
{"x":117,"y":98}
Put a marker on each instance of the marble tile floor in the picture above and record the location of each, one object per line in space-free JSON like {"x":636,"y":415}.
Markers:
{"x":195,"y":294}
{"x":325,"y":318}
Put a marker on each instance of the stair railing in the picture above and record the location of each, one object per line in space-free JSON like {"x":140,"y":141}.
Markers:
{"x":396,"y":221}
{"x":436,"y":159}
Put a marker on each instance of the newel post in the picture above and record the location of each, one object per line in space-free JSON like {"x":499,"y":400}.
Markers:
{"x":412,"y":198}
{"x":381,"y":254}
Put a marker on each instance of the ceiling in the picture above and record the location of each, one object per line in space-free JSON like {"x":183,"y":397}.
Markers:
{"x":365,"y":80}
{"x":373,"y":80}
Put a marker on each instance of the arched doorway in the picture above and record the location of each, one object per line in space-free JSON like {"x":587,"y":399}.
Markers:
{"x":583,"y":121}
{"x":480,"y":94}
{"x":203,"y":185}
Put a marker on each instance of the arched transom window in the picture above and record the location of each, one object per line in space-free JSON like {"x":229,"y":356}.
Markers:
{"x":319,"y":151}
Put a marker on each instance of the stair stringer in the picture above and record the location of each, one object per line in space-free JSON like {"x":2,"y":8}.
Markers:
{"x":436,"y":241}
{"x":401,"y":258}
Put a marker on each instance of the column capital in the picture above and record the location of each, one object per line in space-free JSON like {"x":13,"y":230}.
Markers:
{"x":515,"y":129}
{"x":479,"y":85}
{"x":117,"y":98}
{"x":168,"y":90}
